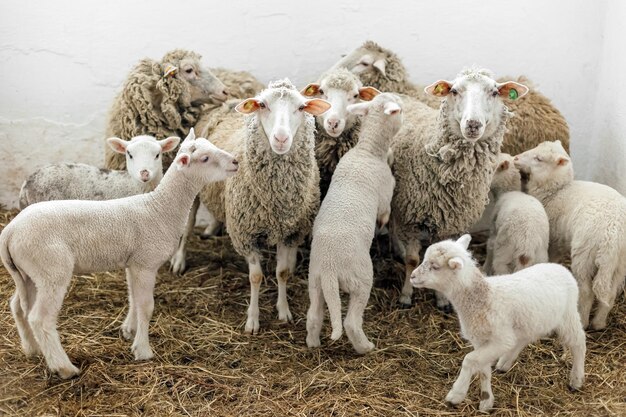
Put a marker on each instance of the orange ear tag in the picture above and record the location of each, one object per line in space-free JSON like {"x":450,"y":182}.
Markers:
{"x":249,"y":105}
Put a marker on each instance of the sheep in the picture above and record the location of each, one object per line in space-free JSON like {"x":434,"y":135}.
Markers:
{"x":87,"y":182}
{"x":49,"y":241}
{"x":501,"y":315}
{"x":444,"y":162}
{"x":359,"y":197}
{"x":274,"y":198}
{"x":536,"y":119}
{"x":519,"y":234}
{"x":337,"y":131}
{"x":587,"y":222}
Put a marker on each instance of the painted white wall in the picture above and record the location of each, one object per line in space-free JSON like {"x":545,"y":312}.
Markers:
{"x":63,"y":61}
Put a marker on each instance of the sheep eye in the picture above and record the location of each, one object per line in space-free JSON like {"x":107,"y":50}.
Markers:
{"x":356,"y":96}
{"x":537,"y":158}
{"x":129,"y":155}
{"x":495,"y":93}
{"x":157,"y":156}
{"x":321,"y":91}
{"x":262,"y":105}
{"x":434,"y":266}
{"x":454,"y":92}
{"x":365,"y":64}
{"x":301,"y":107}
{"x":189,"y":70}
{"x":205,"y":159}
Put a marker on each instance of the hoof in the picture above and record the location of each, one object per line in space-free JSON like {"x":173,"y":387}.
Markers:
{"x":252,"y":327}
{"x":369,"y":346}
{"x":447,"y":308}
{"x":450,"y":404}
{"x":68,"y":372}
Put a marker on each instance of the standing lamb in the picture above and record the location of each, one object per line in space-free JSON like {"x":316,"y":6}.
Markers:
{"x":48,"y":242}
{"x":337,"y":130}
{"x":502,"y":315}
{"x":587,"y":222}
{"x":535,"y":117}
{"x":520,"y":230}
{"x":359,"y":197}
{"x":86,"y":182}
{"x":444,"y":162}
{"x":274,"y":198}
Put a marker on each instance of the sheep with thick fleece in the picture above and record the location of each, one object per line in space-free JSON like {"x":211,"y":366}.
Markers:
{"x":337,"y":130}
{"x":587,"y":222}
{"x":359,"y":197}
{"x":48,"y":242}
{"x":520,"y":229}
{"x":143,"y":172}
{"x":535,"y":117}
{"x":274,"y":198}
{"x":444,"y":162}
{"x":502,"y":315}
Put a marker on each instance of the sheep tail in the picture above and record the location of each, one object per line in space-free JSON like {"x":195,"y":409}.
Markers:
{"x":330,"y":289}
{"x":20,"y":280}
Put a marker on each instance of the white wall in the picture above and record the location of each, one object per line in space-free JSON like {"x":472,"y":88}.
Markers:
{"x":63,"y":61}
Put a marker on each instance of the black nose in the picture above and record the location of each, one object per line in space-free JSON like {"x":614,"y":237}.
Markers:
{"x":474,"y":125}
{"x":235,"y":162}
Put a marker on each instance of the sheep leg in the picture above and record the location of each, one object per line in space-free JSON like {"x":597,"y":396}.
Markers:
{"x":583,"y":272}
{"x":286,"y":264}
{"x":142,"y":284}
{"x":29,"y":344}
{"x":572,"y":336}
{"x":507,"y":360}
{"x":256,"y":276}
{"x":475,"y":361}
{"x":42,"y":320}
{"x":315,"y":315}
{"x":212,"y":228}
{"x":486,"y":394}
{"x":411,"y":261}
{"x":607,"y":300}
{"x":353,"y":322}
{"x":488,"y":265}
{"x":178,"y":262}
{"x":129,"y":327}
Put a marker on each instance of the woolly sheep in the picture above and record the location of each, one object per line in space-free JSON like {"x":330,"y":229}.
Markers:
{"x":274,"y":198}
{"x":502,"y":315}
{"x":587,"y":222}
{"x":47,"y":242}
{"x":86,"y":182}
{"x":359,"y":197}
{"x":444,"y":162}
{"x":519,"y":234}
{"x":535,"y":117}
{"x":337,"y":130}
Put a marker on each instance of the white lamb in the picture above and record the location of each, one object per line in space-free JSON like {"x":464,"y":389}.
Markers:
{"x":501,"y":315}
{"x":520,"y":230}
{"x":359,"y":195}
{"x":144,"y":170}
{"x":587,"y":222}
{"x":48,"y":242}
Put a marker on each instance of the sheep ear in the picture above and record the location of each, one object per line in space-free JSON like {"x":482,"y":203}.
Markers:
{"x":464,"y":240}
{"x":169,"y":144}
{"x":359,"y":109}
{"x":512,"y":90}
{"x":182,"y":161}
{"x":392,"y":108}
{"x":117,"y":144}
{"x":439,"y":88}
{"x":455,"y":263}
{"x":316,"y":106}
{"x":562,"y":161}
{"x":311,"y":90}
{"x":170,"y":70}
{"x":248,"y":106}
{"x":368,"y":93}
{"x":191,"y":136}
{"x":380,"y":66}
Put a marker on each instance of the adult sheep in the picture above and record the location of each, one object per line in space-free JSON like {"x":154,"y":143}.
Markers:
{"x":535,"y":117}
{"x":444,"y":162}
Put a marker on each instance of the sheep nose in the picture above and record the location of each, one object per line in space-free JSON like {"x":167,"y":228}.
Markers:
{"x":515,"y":158}
{"x":235,"y":162}
{"x":145,"y":175}
{"x":281,"y":138}
{"x":474,"y":125}
{"x":333,"y":123}
{"x":225,"y":92}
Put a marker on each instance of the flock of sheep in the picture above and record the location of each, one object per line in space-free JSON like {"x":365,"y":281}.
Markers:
{"x":426,"y":163}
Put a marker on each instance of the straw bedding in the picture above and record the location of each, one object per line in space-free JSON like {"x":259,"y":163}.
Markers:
{"x":205,"y":365}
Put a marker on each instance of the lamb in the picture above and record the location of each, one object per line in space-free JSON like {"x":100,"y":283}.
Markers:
{"x":337,"y":130}
{"x":359,"y":197}
{"x":48,"y":242}
{"x":587,"y":222}
{"x":274,"y":199}
{"x":502,"y":315}
{"x":520,"y":230}
{"x":86,"y":182}
{"x":444,"y":162}
{"x":536,"y":119}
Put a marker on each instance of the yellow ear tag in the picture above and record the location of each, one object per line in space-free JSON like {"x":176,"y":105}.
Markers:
{"x":439,"y":88}
{"x":249,"y":105}
{"x":170,"y":71}
{"x":310,"y":91}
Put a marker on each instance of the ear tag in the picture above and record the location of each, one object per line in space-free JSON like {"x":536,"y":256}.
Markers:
{"x":439,"y":88}
{"x":170,"y":71}
{"x":310,"y":91}
{"x":513,"y":94}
